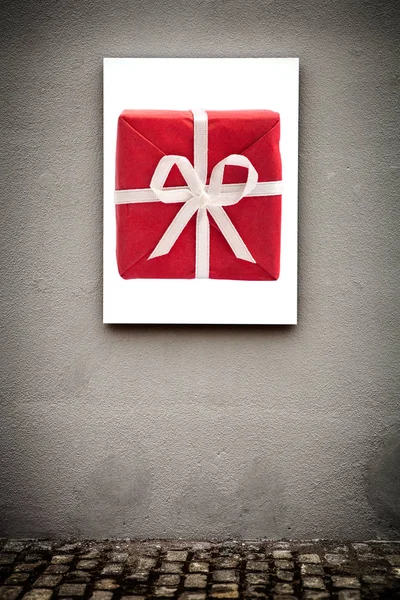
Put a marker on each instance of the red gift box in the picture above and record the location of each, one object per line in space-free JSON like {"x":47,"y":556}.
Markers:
{"x":144,"y":137}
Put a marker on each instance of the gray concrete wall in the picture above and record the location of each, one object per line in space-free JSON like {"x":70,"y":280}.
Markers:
{"x":207,"y":431}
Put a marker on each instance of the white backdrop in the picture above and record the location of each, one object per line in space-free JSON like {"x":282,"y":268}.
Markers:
{"x":218,"y":84}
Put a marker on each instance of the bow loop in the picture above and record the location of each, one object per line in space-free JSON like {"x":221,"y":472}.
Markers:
{"x":219,"y":197}
{"x":162,"y":171}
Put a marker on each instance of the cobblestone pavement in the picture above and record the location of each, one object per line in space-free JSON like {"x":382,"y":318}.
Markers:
{"x":128,"y":570}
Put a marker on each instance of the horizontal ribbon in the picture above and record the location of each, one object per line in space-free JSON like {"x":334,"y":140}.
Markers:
{"x":182,"y":193}
{"x":197,"y":197}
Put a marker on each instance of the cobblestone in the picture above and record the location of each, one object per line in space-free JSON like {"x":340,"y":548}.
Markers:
{"x":112,"y":569}
{"x":253,"y":591}
{"x":309,"y":558}
{"x":118,"y":557}
{"x":225,"y":590}
{"x":285,"y":575}
{"x":98,"y":595}
{"x":28,"y":567}
{"x":48,"y":581}
{"x":133,"y":570}
{"x":72,"y":589}
{"x":56,"y":569}
{"x":168,"y":579}
{"x":349,"y":595}
{"x":176,"y":556}
{"x":314,"y":583}
{"x":106,"y":585}
{"x":10,"y":592}
{"x":144,"y":564}
{"x":257,"y":578}
{"x":311,"y":570}
{"x":198,"y":567}
{"x":315,"y":595}
{"x":17,"y":579}
{"x":196,"y":581}
{"x":345,"y":582}
{"x":164,"y":592}
{"x":172,"y":567}
{"x":283,"y":588}
{"x":86,"y":564}
{"x":38,"y":594}
{"x":335,"y":559}
{"x":225,"y":575}
{"x":253,"y":565}
{"x":279,"y":554}
{"x":226,"y":563}
{"x":284,"y":564}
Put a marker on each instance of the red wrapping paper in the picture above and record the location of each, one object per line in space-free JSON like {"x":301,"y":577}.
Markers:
{"x":143,"y":138}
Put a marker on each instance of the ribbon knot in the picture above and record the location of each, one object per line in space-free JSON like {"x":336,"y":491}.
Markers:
{"x":204,"y":199}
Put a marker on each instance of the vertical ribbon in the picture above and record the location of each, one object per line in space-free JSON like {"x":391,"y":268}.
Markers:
{"x":200,"y":155}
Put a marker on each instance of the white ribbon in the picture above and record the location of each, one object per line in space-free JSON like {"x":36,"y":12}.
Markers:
{"x":201,"y":198}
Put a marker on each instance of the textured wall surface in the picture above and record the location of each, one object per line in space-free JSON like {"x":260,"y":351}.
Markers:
{"x":222,"y":431}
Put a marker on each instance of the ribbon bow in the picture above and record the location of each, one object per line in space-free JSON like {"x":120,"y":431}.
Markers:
{"x":201,"y":198}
